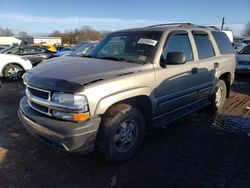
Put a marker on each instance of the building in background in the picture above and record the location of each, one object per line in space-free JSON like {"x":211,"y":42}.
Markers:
{"x":13,"y":40}
{"x":229,"y":35}
{"x":48,"y":40}
{"x":10,"y":41}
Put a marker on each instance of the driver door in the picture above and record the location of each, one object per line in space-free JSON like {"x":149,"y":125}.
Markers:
{"x":177,"y":85}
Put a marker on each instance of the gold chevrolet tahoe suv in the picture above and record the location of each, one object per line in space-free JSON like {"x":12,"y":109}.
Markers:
{"x":134,"y":80}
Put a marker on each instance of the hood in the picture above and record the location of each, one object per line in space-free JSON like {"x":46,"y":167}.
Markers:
{"x":70,"y":74}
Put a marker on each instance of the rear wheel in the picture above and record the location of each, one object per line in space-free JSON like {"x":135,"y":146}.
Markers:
{"x":219,"y":96}
{"x":13,"y":72}
{"x":121,"y":133}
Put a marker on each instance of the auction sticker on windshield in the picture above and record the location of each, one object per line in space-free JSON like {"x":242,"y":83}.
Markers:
{"x":150,"y":42}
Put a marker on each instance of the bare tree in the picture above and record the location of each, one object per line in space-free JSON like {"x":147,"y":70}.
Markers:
{"x":23,"y":34}
{"x":227,"y":29}
{"x":78,"y":35}
{"x":6,"y":32}
{"x":56,"y":33}
{"x":246,"y":31}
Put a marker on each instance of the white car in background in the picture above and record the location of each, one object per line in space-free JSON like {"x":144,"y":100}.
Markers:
{"x":12,"y":66}
{"x":243,"y":61}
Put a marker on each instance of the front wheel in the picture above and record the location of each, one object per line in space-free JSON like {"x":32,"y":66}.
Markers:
{"x":13,"y":72}
{"x":219,"y":96}
{"x":122,"y":132}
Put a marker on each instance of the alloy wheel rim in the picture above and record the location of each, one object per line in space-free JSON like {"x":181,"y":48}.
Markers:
{"x":218,"y":96}
{"x":14,"y":73}
{"x":125,"y":136}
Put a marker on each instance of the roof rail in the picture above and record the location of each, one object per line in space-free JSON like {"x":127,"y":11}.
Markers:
{"x":170,"y":24}
{"x":212,"y":27}
{"x":183,"y":25}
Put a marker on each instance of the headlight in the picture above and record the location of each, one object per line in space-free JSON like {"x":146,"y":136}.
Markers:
{"x":69,"y":99}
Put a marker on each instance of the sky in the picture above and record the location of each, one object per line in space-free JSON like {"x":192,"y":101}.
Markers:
{"x":41,"y":17}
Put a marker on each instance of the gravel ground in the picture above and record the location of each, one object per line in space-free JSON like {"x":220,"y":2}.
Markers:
{"x":200,"y":150}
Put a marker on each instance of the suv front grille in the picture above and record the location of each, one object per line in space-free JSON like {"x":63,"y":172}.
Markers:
{"x":244,"y":62}
{"x":40,"y":108}
{"x":39,"y":93}
{"x":35,"y":96}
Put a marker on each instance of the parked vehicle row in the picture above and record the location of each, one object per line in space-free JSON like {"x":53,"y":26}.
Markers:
{"x":35,"y":55}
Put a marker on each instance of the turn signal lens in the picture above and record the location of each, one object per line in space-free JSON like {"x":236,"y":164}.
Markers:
{"x":71,"y":116}
{"x":80,"y":117}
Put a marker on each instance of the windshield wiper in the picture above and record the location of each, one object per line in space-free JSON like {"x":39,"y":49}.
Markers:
{"x":81,"y":55}
{"x":86,"y":55}
{"x":119,"y":59}
{"x":112,"y":58}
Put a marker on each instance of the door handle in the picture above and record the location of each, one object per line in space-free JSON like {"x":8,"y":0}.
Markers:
{"x":216,"y":65}
{"x":194,"y":70}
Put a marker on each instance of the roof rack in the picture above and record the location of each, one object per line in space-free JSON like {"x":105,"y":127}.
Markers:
{"x":170,"y":24}
{"x":184,"y":25}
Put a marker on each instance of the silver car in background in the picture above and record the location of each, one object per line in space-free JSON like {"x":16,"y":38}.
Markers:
{"x":239,"y":46}
{"x":243,"y":61}
{"x":84,"y":49}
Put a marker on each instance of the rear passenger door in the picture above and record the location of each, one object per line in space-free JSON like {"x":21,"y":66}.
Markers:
{"x":207,"y":63}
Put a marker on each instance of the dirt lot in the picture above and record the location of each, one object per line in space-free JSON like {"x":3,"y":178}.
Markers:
{"x":201,"y":150}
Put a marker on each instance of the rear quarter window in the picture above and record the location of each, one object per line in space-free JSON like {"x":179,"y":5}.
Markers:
{"x":223,"y":42}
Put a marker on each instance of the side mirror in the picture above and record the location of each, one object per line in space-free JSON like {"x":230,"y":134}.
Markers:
{"x":174,"y":58}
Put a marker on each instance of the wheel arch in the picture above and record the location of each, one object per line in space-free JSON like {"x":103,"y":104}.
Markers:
{"x":226,"y":77}
{"x":142,"y":102}
{"x":11,"y":63}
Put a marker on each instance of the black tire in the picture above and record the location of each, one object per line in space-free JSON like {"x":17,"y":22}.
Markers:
{"x":13,"y":72}
{"x":121,"y":133}
{"x":217,"y":104}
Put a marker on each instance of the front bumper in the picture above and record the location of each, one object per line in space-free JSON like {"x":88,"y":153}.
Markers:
{"x":63,"y":135}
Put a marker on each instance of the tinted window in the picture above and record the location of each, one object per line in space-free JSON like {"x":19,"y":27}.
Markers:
{"x":179,"y":43}
{"x":245,"y":50}
{"x":36,"y":50}
{"x":223,"y":42}
{"x":15,"y":50}
{"x":204,"y":46}
{"x":26,"y":50}
{"x":114,"y":47}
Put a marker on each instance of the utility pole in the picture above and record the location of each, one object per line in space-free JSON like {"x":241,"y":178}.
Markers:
{"x":80,"y":23}
{"x":222,"y":23}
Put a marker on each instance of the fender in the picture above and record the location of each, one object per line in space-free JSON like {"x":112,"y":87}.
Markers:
{"x":108,"y":101}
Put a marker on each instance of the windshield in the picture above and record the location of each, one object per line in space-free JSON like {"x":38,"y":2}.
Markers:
{"x":134,"y":47}
{"x":245,"y":50}
{"x":84,"y":49}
